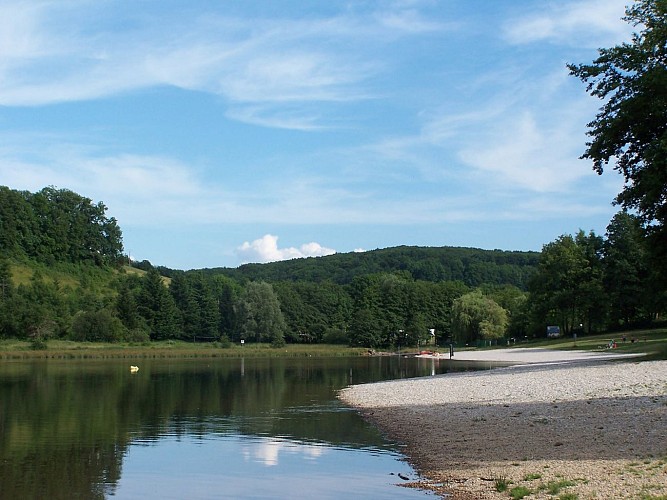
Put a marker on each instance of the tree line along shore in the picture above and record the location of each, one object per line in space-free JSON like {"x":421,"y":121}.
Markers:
{"x":63,"y":276}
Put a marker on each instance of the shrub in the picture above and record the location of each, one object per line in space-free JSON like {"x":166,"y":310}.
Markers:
{"x":335,"y":336}
{"x":278,"y":342}
{"x":554,"y":487}
{"x":38,"y":344}
{"x":97,"y":326}
{"x":501,"y":483}
{"x":136,"y":335}
{"x":518,"y":492}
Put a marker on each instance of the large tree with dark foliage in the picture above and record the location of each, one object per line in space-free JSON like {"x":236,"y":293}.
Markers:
{"x":630,"y":129}
{"x":567,"y":289}
{"x":626,"y":274}
{"x":57,"y":225}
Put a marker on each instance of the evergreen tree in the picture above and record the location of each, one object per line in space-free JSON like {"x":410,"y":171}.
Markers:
{"x":7,"y":326}
{"x":157,"y":307}
{"x":126,"y":307}
{"x":181,"y":291}
{"x":593,"y":304}
{"x":226,"y":306}
{"x":208,"y":314}
{"x":625,"y":270}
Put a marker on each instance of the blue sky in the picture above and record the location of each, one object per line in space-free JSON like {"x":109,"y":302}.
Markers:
{"x":222,"y":132}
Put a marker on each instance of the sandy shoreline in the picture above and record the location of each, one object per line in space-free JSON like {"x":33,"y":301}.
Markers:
{"x":562,"y":418}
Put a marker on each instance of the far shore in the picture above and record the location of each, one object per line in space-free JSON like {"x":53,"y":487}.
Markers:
{"x":587,"y":424}
{"x":64,"y":349}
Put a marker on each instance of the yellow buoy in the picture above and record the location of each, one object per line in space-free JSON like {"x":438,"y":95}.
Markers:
{"x":134,"y":369}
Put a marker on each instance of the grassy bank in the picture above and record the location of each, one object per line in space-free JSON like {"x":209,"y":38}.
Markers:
{"x":652,"y":342}
{"x":64,"y":349}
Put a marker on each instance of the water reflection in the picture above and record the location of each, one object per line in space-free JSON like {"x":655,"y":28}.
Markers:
{"x":255,"y":467}
{"x":199,"y":428}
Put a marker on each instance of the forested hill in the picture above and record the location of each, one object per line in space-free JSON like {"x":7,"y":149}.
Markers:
{"x":57,"y":225}
{"x":472,"y":266}
{"x":61,"y":277}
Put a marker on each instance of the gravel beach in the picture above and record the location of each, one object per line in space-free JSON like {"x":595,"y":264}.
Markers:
{"x":558,"y":423}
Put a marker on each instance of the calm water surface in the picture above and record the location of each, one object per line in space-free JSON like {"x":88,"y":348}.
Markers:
{"x":197,"y":429}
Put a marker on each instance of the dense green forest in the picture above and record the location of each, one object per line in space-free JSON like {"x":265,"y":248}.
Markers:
{"x":57,"y":225}
{"x":471,"y":266}
{"x":63,"y":275}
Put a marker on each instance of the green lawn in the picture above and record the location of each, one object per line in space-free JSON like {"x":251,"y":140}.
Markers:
{"x":653,"y":342}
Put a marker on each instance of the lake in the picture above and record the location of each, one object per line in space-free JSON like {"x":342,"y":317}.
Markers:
{"x":198,"y":429}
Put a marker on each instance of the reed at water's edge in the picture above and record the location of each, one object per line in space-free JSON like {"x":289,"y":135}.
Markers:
{"x":64,"y":349}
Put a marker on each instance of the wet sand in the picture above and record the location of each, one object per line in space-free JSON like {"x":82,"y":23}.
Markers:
{"x":577,"y":422}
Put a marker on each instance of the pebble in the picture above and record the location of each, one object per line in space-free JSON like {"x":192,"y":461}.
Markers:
{"x":600,"y":424}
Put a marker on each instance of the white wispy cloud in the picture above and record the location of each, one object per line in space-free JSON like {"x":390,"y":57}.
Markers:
{"x":138,"y":189}
{"x":578,"y":23}
{"x":268,"y":115}
{"x":255,"y":64}
{"x":497,"y":141}
{"x":523,"y":153}
{"x":162,"y":194}
{"x":19,"y":34}
{"x":294,"y":75}
{"x":526,"y":136}
{"x":409,"y":20}
{"x":158,"y":191}
{"x":266,"y":249}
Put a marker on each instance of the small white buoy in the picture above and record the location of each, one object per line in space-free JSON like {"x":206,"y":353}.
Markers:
{"x":134,"y":369}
